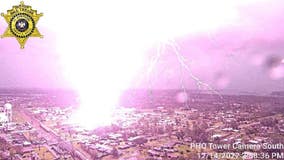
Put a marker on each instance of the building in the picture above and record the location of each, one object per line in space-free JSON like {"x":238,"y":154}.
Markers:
{"x":3,"y":119}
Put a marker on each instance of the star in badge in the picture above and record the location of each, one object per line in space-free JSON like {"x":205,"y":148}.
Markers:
{"x":22,"y":20}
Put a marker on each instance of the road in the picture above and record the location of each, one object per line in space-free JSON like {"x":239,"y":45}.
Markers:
{"x":36,"y":124}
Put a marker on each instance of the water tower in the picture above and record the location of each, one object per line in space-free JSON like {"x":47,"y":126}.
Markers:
{"x":8,"y":111}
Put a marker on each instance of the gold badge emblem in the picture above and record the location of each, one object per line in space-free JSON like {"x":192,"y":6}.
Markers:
{"x":22,"y":20}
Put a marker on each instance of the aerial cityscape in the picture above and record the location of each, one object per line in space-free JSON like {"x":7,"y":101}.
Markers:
{"x":34,"y":125}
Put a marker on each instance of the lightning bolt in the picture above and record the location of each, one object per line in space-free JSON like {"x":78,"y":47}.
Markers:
{"x":183,"y":65}
{"x":153,"y":63}
{"x":182,"y":60}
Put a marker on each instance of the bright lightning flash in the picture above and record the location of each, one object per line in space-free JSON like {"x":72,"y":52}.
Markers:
{"x":101,"y":59}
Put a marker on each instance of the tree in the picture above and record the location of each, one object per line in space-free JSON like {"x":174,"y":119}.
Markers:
{"x":115,"y":153}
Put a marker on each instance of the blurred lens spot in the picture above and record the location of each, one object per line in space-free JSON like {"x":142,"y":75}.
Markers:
{"x":273,"y":61}
{"x":277,"y":72}
{"x":182,"y":97}
{"x":275,"y":67}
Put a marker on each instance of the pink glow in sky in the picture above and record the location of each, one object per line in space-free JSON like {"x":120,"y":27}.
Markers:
{"x":252,"y":32}
{"x":101,"y":48}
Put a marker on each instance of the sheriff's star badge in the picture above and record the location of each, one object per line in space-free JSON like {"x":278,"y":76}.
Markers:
{"x":22,"y":22}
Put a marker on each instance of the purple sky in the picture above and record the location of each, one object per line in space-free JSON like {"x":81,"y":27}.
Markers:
{"x":240,"y":56}
{"x":36,"y":66}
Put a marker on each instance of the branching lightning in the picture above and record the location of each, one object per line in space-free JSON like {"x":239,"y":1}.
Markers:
{"x":183,"y":65}
{"x":182,"y":61}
